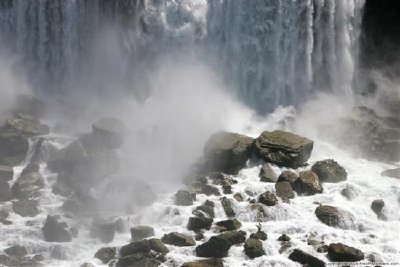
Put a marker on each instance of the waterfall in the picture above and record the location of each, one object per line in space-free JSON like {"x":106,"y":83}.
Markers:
{"x":269,"y":52}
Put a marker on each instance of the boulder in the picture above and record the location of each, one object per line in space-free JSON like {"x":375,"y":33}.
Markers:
{"x":54,"y":232}
{"x":335,"y":217}
{"x":158,"y":246}
{"x":253,"y":248}
{"x":219,"y":178}
{"x":283,"y":148}
{"x":260,"y":234}
{"x":28,"y":183}
{"x":17,"y":251}
{"x":196,"y":223}
{"x":377,"y":206}
{"x":204,"y":263}
{"x":231,"y":224}
{"x":238,"y":197}
{"x":288,"y":176}
{"x":5,"y":191}
{"x":308,"y":184}
{"x":138,"y":260}
{"x":349,"y":192}
{"x":228,"y":206}
{"x":109,"y":132}
{"x":143,"y":246}
{"x":267,"y":174}
{"x":178,"y":239}
{"x":341,"y":253}
{"x":284,"y":190}
{"x":4,"y":213}
{"x":329,"y":171}
{"x":228,"y":152}
{"x":207,"y":208}
{"x":106,"y":254}
{"x":26,"y":208}
{"x":184,"y":198}
{"x":234,"y":237}
{"x":268,"y":199}
{"x":227,"y":189}
{"x":215,"y":247}
{"x":284,"y":237}
{"x":103,"y":229}
{"x":210,"y":190}
{"x":6,"y":173}
{"x":393,"y":173}
{"x":306,"y":259}
{"x":141,"y":232}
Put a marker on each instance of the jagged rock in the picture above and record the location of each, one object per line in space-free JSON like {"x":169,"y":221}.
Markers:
{"x":196,"y":223}
{"x":228,"y":152}
{"x":268,"y":199}
{"x":234,"y":237}
{"x":5,"y":191}
{"x":109,"y":132}
{"x":284,"y":237}
{"x":17,"y":251}
{"x":204,"y":263}
{"x":306,"y":259}
{"x":308,"y":184}
{"x":141,"y":232}
{"x":377,"y":206}
{"x":178,"y":239}
{"x":103,"y":229}
{"x":6,"y":173}
{"x":393,"y":173}
{"x":53,"y":232}
{"x":228,"y":205}
{"x":253,"y":248}
{"x":215,"y":247}
{"x":238,"y":196}
{"x":284,"y":190}
{"x":26,"y":208}
{"x":329,"y":171}
{"x":335,"y":217}
{"x":207,"y":208}
{"x":283,"y":148}
{"x":342,"y":253}
{"x":231,"y":224}
{"x":267,"y":174}
{"x":210,"y":190}
{"x":184,"y":198}
{"x":28,"y":183}
{"x":260,"y":234}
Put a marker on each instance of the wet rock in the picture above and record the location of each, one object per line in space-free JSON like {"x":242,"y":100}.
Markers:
{"x":215,"y":247}
{"x":284,"y":237}
{"x":283,"y":148}
{"x":377,"y":206}
{"x":234,"y":237}
{"x":218,"y":178}
{"x":393,"y":173}
{"x":103,"y":229}
{"x":120,"y":226}
{"x":260,"y":234}
{"x":238,"y":197}
{"x":109,"y":132}
{"x":329,"y":171}
{"x":322,"y":249}
{"x":288,"y":176}
{"x":342,"y":253}
{"x":253,"y":248}
{"x":6,"y":173}
{"x":178,"y":239}
{"x":306,"y":259}
{"x":5,"y":191}
{"x":285,"y":245}
{"x":17,"y":251}
{"x":228,"y":152}
{"x":54,"y":232}
{"x":267,"y":174}
{"x":207,"y":208}
{"x":143,"y":246}
{"x":199,"y":236}
{"x":138,"y":260}
{"x":268,"y":199}
{"x":210,"y":190}
{"x":308,"y":184}
{"x":204,"y":263}
{"x":284,"y":190}
{"x":26,"y":208}
{"x":141,"y":232}
{"x":231,"y":224}
{"x":28,"y":183}
{"x":158,"y":246}
{"x":228,"y":206}
{"x":349,"y":192}
{"x":196,"y":223}
{"x":227,"y":189}
{"x":184,"y":198}
{"x":335,"y":217}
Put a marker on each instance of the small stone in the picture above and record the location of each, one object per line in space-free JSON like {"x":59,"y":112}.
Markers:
{"x":335,"y":217}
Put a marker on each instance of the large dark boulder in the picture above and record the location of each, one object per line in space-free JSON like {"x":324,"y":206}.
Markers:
{"x":253,"y":248}
{"x":228,"y":152}
{"x":267,"y":174}
{"x":196,"y":223}
{"x":393,"y":173}
{"x":106,"y":254}
{"x":234,"y":237}
{"x":103,"y":229}
{"x":26,"y":207}
{"x":215,"y":247}
{"x":204,"y":263}
{"x":28,"y":184}
{"x":54,"y":232}
{"x":268,"y":198}
{"x":141,"y":232}
{"x":231,"y":224}
{"x":342,"y":253}
{"x":178,"y":239}
{"x":283,"y":148}
{"x":329,"y":171}
{"x":308,"y":184}
{"x":306,"y":259}
{"x":335,"y":217}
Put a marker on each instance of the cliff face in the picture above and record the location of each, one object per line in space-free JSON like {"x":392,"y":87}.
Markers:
{"x":380,"y":37}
